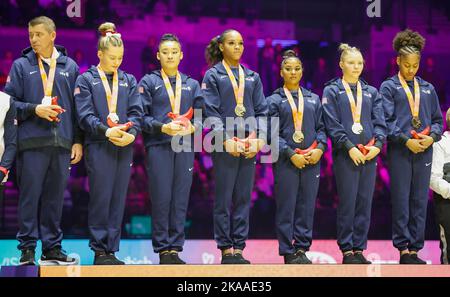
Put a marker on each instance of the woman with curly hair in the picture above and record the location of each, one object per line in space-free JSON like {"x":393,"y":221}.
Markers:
{"x":414,"y":123}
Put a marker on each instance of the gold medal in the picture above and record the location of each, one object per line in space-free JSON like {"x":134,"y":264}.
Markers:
{"x":298,"y":136}
{"x":240,"y":110}
{"x":297,"y":114}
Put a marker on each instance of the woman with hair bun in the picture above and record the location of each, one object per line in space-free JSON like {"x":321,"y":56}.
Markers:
{"x":109,"y":111}
{"x":414,"y":123}
{"x":232,"y":91}
{"x":353,"y":115}
{"x":301,"y":143}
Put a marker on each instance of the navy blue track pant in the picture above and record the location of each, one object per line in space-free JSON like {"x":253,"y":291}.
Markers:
{"x":170,"y":179}
{"x":234,"y":177}
{"x":296,"y":192}
{"x":355,"y":187}
{"x":43,"y":174}
{"x":410,"y":179}
{"x":109,"y":169}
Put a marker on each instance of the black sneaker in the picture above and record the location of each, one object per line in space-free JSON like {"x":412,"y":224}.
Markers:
{"x":303,"y":259}
{"x":56,"y":256}
{"x":228,"y":259}
{"x":290,"y":259}
{"x":176,"y":259}
{"x":102,"y":258}
{"x":165,"y":259}
{"x":360,"y":257}
{"x":114,"y":260}
{"x":416,"y":259}
{"x":350,"y":259}
{"x":239,"y":259}
{"x":27,"y":257}
{"x":407,"y":259}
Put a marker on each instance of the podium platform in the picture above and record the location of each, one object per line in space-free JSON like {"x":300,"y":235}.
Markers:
{"x":258,"y":270}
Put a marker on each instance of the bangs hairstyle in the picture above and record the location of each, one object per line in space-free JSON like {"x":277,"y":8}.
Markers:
{"x":106,"y":40}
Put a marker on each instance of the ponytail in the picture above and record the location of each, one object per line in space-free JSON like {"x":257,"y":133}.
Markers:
{"x":213,"y":55}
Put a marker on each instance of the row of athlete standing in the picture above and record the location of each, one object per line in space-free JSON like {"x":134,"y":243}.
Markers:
{"x":107,"y":107}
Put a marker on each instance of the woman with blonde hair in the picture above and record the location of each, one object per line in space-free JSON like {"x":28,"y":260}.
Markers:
{"x":354,"y":119}
{"x":109,"y":111}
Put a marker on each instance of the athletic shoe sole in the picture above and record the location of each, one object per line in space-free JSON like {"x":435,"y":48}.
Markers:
{"x":56,"y":263}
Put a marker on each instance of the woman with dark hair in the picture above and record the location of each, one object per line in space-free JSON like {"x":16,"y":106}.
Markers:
{"x":414,"y":123}
{"x":233,"y":92}
{"x":301,"y":143}
{"x":168,"y":98}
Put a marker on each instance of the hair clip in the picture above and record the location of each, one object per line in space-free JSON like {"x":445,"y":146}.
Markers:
{"x":111,"y":33}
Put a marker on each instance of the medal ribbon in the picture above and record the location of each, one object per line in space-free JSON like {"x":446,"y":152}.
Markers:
{"x":297,"y":114}
{"x":175,"y":99}
{"x":414,"y":102}
{"x":238,"y":91}
{"x":48,"y":83}
{"x":111,"y":97}
{"x":356,"y":108}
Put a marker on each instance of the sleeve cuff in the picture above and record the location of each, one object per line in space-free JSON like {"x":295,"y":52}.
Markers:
{"x":348,"y":145}
{"x":157,"y":127}
{"x":435,"y":137}
{"x":101,"y":129}
{"x":403,"y":138}
{"x":321,"y":146}
{"x":378,"y":144}
{"x":133,"y":131}
{"x":78,"y":138}
{"x":31,"y":108}
{"x":289,"y":152}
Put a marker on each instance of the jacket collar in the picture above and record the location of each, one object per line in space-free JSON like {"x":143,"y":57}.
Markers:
{"x":280,"y":91}
{"x":94,"y":71}
{"x":221,"y":70}
{"x":338,"y":83}
{"x":184,"y":77}
{"x":396,"y":81}
{"x":30,"y":54}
